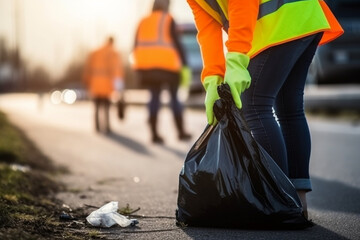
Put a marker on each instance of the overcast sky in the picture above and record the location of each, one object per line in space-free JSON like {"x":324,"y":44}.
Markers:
{"x":54,"y":32}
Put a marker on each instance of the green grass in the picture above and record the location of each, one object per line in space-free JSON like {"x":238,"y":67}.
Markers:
{"x":12,"y":149}
{"x":28,"y":209}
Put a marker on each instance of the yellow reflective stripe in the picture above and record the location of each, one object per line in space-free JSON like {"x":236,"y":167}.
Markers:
{"x":224,"y":7}
{"x":209,"y":10}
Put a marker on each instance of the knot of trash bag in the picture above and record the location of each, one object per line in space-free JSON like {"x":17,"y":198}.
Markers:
{"x":224,"y":104}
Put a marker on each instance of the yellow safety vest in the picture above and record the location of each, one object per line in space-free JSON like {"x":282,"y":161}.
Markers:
{"x":280,"y":21}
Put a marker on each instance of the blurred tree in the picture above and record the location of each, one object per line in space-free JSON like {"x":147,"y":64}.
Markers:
{"x":72,"y":75}
{"x":38,"y":80}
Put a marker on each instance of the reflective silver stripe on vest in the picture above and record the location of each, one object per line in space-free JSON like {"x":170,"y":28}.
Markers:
{"x":264,"y":9}
{"x":216,"y":7}
{"x":160,"y":41}
{"x":272,"y":6}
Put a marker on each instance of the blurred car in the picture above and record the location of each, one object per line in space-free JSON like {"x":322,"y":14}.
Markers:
{"x":339,"y":60}
{"x":188,"y":39}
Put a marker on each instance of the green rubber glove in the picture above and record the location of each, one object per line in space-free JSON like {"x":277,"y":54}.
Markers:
{"x":210,"y":84}
{"x":236,"y":75}
{"x":185,"y":76}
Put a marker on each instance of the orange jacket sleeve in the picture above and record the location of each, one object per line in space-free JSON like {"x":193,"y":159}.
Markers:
{"x":242,"y":19}
{"x":210,"y":41}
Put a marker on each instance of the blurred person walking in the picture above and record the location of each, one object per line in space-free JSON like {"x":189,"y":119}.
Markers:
{"x":160,"y":60}
{"x":280,"y":38}
{"x":103,"y":75}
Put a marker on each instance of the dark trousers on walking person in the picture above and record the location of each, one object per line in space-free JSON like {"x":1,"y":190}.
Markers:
{"x":102,"y":115}
{"x":274,"y":108}
{"x":155,"y":81}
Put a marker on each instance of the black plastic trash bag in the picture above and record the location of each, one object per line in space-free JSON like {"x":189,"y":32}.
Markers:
{"x":229,"y":180}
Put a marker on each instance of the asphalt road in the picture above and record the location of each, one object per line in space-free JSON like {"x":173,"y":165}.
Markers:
{"x":127,"y":168}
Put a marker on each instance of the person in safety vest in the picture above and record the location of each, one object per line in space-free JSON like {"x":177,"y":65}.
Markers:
{"x":159,"y":59}
{"x":270,"y":46}
{"x":103,"y":76}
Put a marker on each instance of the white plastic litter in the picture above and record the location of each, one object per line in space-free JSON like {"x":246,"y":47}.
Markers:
{"x":107,"y":216}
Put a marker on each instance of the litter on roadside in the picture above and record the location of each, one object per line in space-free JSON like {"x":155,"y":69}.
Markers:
{"x":107,"y":216}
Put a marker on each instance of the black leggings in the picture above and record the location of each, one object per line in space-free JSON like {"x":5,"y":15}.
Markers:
{"x":274,"y":108}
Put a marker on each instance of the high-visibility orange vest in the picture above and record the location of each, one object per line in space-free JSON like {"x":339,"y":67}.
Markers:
{"x":154,"y":47}
{"x":102,"y":68}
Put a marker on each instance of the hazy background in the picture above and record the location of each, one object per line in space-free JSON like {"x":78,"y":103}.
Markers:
{"x":48,"y":37}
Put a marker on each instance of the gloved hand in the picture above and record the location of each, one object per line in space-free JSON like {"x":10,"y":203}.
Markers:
{"x":236,"y":75}
{"x":185,"y":76}
{"x":119,"y":84}
{"x":210,"y":84}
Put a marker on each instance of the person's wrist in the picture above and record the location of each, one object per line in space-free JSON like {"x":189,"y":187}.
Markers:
{"x":212,"y":81}
{"x":237,"y":75}
{"x":210,"y":84}
{"x":237,"y":60}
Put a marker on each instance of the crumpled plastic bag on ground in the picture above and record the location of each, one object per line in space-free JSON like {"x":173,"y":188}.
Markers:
{"x":107,"y":216}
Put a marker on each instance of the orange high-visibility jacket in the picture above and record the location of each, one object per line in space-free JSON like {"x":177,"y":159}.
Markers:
{"x":242,"y":24}
{"x":154,"y":47}
{"x":103,"y":66}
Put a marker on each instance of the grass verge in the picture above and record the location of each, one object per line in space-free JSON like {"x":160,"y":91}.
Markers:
{"x":28,"y":208}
